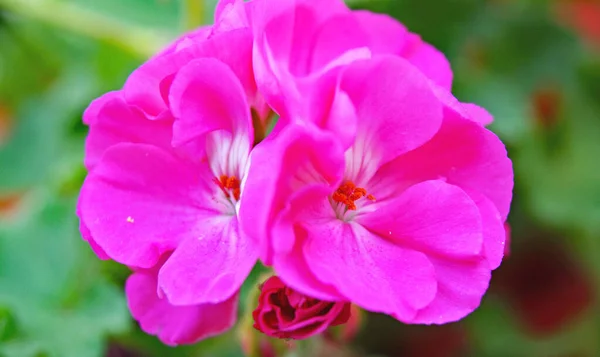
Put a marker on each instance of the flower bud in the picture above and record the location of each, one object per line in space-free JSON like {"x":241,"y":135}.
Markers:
{"x":285,"y":313}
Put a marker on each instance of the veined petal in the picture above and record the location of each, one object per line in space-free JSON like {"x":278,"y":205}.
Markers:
{"x":210,"y":266}
{"x":300,"y":157}
{"x":212,"y":116}
{"x":375,"y":274}
{"x":464,"y":154}
{"x":432,"y":217}
{"x":397,"y":110}
{"x":140,"y":202}
{"x":207,"y":96}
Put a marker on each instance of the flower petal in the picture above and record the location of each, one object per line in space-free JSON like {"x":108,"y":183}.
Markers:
{"x":207,"y":96}
{"x":432,"y":217}
{"x":338,"y":35}
{"x":148,"y":86}
{"x":494,"y":231}
{"x":478,"y":114}
{"x":453,"y":107}
{"x":284,"y":32}
{"x":87,"y":236}
{"x":140,"y":201}
{"x":396,"y":108}
{"x":230,"y":15}
{"x":113,"y":121}
{"x":175,"y":325}
{"x":429,"y":60}
{"x":210,"y":266}
{"x":300,"y":157}
{"x":460,"y":287}
{"x":294,"y":270}
{"x":386,"y":34}
{"x":464,"y":154}
{"x":367,"y":270}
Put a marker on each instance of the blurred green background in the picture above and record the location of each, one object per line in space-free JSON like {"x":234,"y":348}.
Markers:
{"x":534,"y":64}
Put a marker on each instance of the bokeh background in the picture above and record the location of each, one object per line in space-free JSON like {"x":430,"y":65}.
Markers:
{"x":534,"y":64}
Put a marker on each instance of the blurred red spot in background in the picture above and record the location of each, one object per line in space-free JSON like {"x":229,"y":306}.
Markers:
{"x":438,"y":341}
{"x":546,"y":287}
{"x":5,"y":123}
{"x":546,"y":105}
{"x":583,"y":16}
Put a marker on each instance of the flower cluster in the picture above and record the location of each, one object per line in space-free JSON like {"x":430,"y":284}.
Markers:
{"x":376,"y":186}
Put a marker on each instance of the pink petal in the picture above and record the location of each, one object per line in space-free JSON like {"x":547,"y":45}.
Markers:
{"x":222,"y":7}
{"x":87,"y":236}
{"x":230,"y":15}
{"x":148,"y":86}
{"x":369,"y":271}
{"x":386,"y":35}
{"x":207,"y":96}
{"x":464,"y":154}
{"x":432,"y":217}
{"x":299,"y":157}
{"x":292,"y":23}
{"x":494,"y":232}
{"x":295,"y":271}
{"x":460,"y":287}
{"x":466,"y":110}
{"x":429,"y":60}
{"x":112,"y":121}
{"x":210,"y":266}
{"x":328,"y":107}
{"x":175,"y":325}
{"x":188,"y":38}
{"x":140,"y":201}
{"x":338,"y":35}
{"x":478,"y":114}
{"x":284,"y":32}
{"x":396,"y":108}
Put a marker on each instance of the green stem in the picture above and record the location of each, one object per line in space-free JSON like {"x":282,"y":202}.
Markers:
{"x":192,"y":13}
{"x":71,"y":17}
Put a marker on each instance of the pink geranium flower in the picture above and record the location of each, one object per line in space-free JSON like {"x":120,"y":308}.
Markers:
{"x":399,"y":208}
{"x":167,"y":156}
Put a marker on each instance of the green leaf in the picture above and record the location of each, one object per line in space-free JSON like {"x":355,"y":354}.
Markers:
{"x":51,"y":283}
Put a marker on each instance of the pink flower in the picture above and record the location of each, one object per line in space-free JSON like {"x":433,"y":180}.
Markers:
{"x":167,"y":157}
{"x":285,"y":313}
{"x":175,"y":324}
{"x":399,"y":207}
{"x":299,"y":40}
{"x":144,"y":197}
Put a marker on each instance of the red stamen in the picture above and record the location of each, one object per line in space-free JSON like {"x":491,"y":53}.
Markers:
{"x":348,"y":193}
{"x":229,"y":185}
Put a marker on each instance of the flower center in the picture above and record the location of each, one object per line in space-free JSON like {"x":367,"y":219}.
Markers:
{"x":230,"y":186}
{"x":347,"y":194}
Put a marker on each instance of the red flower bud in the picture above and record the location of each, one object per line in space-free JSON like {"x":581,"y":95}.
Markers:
{"x":285,"y":313}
